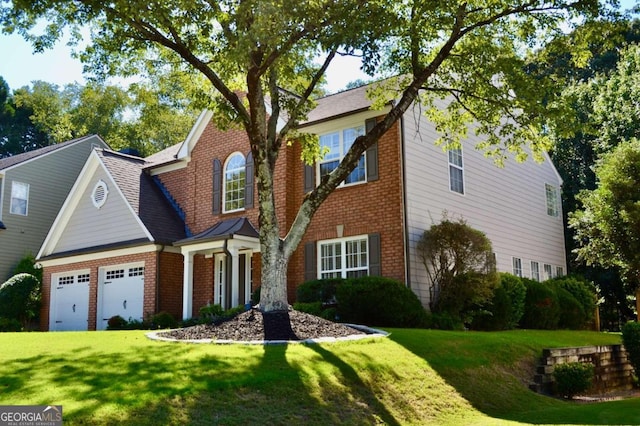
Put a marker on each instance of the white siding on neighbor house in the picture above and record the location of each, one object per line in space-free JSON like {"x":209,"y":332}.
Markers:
{"x":50,"y":177}
{"x":89,"y":226}
{"x":507,"y":204}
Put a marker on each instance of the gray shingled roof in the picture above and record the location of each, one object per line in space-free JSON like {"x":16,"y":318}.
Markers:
{"x":223,"y":230}
{"x":21,"y":158}
{"x":144,"y":196}
{"x":164,"y":156}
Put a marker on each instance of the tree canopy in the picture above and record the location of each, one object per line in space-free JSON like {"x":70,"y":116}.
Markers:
{"x":463,"y":62}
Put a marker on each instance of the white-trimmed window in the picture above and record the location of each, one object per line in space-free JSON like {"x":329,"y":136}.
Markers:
{"x":456,"y":171}
{"x":548,"y":272}
{"x":234,"y":183}
{"x":552,"y":199}
{"x":344,"y":257}
{"x":517,"y":267}
{"x":559,"y":271}
{"x":336,"y":145}
{"x":19,"y":198}
{"x":535,"y":270}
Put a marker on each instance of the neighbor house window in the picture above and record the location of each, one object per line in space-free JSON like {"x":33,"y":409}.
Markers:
{"x":234,"y":183}
{"x":535,"y":271}
{"x":336,"y":145}
{"x":517,"y":267}
{"x":547,"y":272}
{"x":344,"y":258}
{"x":552,"y":200}
{"x":456,"y":172}
{"x":19,"y":198}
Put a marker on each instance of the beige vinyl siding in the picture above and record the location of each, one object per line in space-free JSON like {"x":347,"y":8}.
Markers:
{"x":508,"y":204}
{"x":50,"y":177}
{"x":89,"y":226}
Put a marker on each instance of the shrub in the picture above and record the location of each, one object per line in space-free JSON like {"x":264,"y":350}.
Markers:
{"x":517,"y":292}
{"x":116,"y":322}
{"x":215,"y":314}
{"x":379,"y":301}
{"x":631,"y":341}
{"x":323,"y":291}
{"x":20,"y":298}
{"x":450,"y":249}
{"x":9,"y":324}
{"x":572,"y":378}
{"x":163,"y":320}
{"x":572,"y":314}
{"x":465,"y":294}
{"x":313,"y":308}
{"x":443,"y":321}
{"x":542,"y":309}
{"x":496,"y":315}
{"x":582,"y":290}
{"x":27,"y":265}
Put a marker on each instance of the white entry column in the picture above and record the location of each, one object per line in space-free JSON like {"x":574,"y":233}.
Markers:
{"x":187,"y":286}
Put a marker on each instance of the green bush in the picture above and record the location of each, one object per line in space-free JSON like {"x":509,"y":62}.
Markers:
{"x":313,"y":308}
{"x":323,"y":291}
{"x":443,"y":321}
{"x":572,"y":314}
{"x":572,"y":378}
{"x":542,"y":308}
{"x":465,"y":294}
{"x":27,"y":265}
{"x":379,"y":301}
{"x":496,"y":315}
{"x":631,"y":341}
{"x":517,"y":291}
{"x":20,"y":298}
{"x":116,"y":322}
{"x":215,"y":314}
{"x":163,"y":320}
{"x":583,"y":291}
{"x":9,"y":324}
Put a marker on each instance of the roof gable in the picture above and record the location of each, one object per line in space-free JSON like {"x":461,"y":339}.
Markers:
{"x":19,"y":159}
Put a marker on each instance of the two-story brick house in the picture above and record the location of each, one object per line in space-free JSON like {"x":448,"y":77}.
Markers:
{"x":177,"y":230}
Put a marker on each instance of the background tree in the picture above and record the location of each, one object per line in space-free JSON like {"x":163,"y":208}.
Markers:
{"x":607,"y":225}
{"x":599,"y":90}
{"x":470,"y":53}
{"x":17,"y":132}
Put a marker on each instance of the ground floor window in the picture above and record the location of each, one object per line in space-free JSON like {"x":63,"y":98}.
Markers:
{"x":344,"y":257}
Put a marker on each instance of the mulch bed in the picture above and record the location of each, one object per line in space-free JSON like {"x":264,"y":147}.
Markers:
{"x":254,"y":325}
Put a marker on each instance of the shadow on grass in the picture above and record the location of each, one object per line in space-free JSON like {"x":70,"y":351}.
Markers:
{"x":491,"y":380}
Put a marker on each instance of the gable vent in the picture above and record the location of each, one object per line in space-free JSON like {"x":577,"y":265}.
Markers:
{"x":99,"y":194}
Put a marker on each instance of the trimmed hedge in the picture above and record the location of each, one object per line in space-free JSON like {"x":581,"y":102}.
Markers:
{"x":20,"y":298}
{"x":542,"y":307}
{"x":323,"y":291}
{"x":573,"y":378}
{"x":631,"y":341}
{"x":506,"y":307}
{"x":379,"y":301}
{"x":583,"y":291}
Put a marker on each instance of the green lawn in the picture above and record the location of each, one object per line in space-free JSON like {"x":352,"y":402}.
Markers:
{"x":412,"y":377}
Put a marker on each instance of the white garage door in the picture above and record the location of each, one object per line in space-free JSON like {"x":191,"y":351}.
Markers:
{"x":121,"y":292}
{"x":69,"y":301}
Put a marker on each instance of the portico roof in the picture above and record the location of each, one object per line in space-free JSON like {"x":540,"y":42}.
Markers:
{"x":223,"y":230}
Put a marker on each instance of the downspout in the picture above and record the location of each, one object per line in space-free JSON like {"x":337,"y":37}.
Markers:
{"x":227,"y":275}
{"x":407,"y":263}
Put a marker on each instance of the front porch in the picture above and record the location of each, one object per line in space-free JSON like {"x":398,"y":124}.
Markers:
{"x":229,"y":245}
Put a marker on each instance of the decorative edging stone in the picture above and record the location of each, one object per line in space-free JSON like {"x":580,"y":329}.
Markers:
{"x":371,"y":333}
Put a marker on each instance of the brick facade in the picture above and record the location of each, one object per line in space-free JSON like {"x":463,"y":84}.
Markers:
{"x":359,"y":209}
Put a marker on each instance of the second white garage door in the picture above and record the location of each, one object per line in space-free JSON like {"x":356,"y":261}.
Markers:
{"x":120,"y":292}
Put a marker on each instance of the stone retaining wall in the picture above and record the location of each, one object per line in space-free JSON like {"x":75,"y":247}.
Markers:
{"x":612,"y":369}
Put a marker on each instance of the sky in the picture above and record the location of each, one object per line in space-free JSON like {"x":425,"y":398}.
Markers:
{"x":19,"y":66}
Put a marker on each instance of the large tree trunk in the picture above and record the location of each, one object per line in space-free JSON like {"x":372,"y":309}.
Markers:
{"x":273,"y":294}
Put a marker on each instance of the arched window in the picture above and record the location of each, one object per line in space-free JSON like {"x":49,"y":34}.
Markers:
{"x":234,"y":183}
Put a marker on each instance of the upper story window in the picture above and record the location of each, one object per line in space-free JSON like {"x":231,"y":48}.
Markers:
{"x":234,"y":183}
{"x":456,"y":171}
{"x":19,"y":198}
{"x":344,"y":258}
{"x":552,"y":199}
{"x":337,"y":144}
